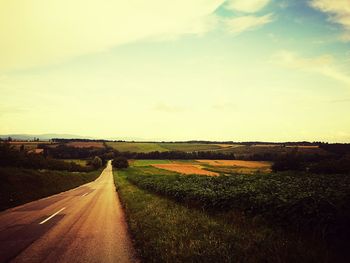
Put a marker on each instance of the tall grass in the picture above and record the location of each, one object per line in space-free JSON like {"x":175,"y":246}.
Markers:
{"x":19,"y":185}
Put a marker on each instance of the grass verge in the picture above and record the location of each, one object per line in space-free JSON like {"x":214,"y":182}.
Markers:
{"x":19,"y":185}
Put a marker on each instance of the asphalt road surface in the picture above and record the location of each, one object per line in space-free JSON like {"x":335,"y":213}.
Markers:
{"x":85,"y":224}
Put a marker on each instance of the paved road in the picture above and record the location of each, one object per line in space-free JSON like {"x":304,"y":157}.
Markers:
{"x":85,"y":224}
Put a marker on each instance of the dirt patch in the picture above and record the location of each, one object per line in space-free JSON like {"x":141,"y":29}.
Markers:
{"x":86,"y":144}
{"x":238,"y":163}
{"x":185,"y":168}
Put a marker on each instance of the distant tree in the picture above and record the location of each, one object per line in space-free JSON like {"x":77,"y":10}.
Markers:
{"x":96,"y":162}
{"x":120,"y":162}
{"x":9,"y":139}
{"x":288,"y":162}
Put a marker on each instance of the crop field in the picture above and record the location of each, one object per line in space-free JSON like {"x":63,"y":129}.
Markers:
{"x":28,"y":146}
{"x":286,"y":217}
{"x":163,"y":147}
{"x":148,"y":162}
{"x":136,"y":147}
{"x":193,"y":147}
{"x":207,"y":167}
{"x":246,"y":151}
{"x":239,"y":163}
{"x":184,"y":168}
{"x":86,"y":144}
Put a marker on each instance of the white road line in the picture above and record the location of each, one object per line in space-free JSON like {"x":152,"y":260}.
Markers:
{"x":84,"y":194}
{"x":47,"y":219}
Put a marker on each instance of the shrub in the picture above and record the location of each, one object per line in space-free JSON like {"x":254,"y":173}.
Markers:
{"x":120,"y":163}
{"x":96,"y":162}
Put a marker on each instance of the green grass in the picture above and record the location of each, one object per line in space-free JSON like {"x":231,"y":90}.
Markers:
{"x":190,"y":147}
{"x":137,"y":163}
{"x":19,"y":186}
{"x":77,"y":161}
{"x":136,"y":147}
{"x":235,"y":169}
{"x":163,"y":147}
{"x":166,"y":231}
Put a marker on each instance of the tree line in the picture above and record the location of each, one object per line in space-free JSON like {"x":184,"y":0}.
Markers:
{"x":10,"y":157}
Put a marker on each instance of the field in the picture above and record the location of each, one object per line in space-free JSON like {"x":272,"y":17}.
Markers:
{"x":184,"y":168}
{"x":207,"y":167}
{"x":163,"y":147}
{"x":86,"y":144}
{"x":77,"y":161}
{"x":136,"y":147}
{"x":237,"y":163}
{"x":237,"y":218}
{"x":148,"y":162}
{"x":245,"y":151}
{"x":28,"y":146}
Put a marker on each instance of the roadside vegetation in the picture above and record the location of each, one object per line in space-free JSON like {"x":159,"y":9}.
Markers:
{"x":25,"y":177}
{"x":20,"y":185}
{"x":170,"y":227}
{"x":308,"y":202}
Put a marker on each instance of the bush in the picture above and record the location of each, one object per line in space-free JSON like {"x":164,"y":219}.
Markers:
{"x":288,"y":162}
{"x":96,"y":162}
{"x":120,"y":163}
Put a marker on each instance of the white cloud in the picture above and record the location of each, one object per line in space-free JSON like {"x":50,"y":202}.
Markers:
{"x":322,"y":64}
{"x":40,"y":32}
{"x":338,"y":11}
{"x":240,"y":24}
{"x":247,"y":6}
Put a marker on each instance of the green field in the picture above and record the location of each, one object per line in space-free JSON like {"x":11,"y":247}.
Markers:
{"x":167,"y":226}
{"x":163,"y":147}
{"x":148,"y":162}
{"x":77,"y":161}
{"x":136,"y":146}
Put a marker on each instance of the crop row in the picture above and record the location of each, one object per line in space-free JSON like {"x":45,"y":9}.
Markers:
{"x":301,"y":200}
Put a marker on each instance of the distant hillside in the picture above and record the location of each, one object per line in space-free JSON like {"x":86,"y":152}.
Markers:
{"x":43,"y":137}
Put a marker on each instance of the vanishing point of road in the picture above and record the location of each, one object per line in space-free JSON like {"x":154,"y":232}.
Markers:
{"x":85,"y":224}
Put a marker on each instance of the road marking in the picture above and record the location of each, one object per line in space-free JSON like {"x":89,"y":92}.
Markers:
{"x":84,"y":194}
{"x":47,"y":219}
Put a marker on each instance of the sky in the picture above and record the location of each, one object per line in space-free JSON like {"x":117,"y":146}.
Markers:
{"x":241,"y":70}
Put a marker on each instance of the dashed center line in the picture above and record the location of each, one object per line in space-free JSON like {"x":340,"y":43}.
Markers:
{"x":84,"y":194}
{"x":47,"y":219}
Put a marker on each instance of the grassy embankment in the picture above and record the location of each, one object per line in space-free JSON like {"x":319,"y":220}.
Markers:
{"x":19,"y":185}
{"x":223,"y":219}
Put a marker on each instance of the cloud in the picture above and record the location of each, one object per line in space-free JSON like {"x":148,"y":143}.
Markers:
{"x":163,"y":107}
{"x":322,"y":64}
{"x":338,"y":12}
{"x":240,"y":24}
{"x":40,"y":32}
{"x":246,"y":6}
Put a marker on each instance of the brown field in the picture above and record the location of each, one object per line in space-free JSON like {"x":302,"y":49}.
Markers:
{"x":222,"y":145}
{"x":25,"y":142}
{"x":86,"y":144}
{"x":36,"y":151}
{"x":239,"y":163}
{"x":184,"y":168}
